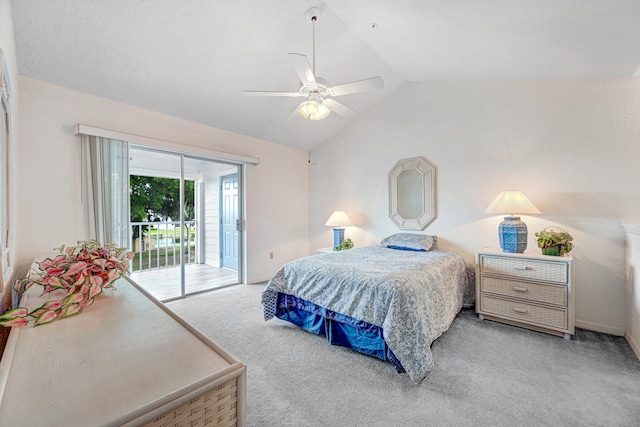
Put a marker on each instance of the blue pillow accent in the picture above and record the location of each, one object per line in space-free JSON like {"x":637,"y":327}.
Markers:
{"x":404,"y":248}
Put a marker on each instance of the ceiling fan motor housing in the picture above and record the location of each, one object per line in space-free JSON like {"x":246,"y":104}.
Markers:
{"x":320,"y":89}
{"x":312,"y":14}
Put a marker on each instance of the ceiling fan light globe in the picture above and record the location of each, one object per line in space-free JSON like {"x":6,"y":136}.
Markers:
{"x":313,"y":110}
{"x":323,"y":111}
{"x":311,"y":107}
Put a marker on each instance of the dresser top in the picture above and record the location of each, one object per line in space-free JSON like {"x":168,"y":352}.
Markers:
{"x":123,"y":355}
{"x":528,"y":254}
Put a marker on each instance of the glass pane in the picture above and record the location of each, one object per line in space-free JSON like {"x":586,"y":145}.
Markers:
{"x":155,"y":222}
{"x":211,"y":211}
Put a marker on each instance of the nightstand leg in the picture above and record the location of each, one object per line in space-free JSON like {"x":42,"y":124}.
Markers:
{"x":567,"y":336}
{"x":480,"y":316}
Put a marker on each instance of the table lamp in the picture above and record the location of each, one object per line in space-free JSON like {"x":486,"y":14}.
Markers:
{"x":512,"y":231}
{"x":338,"y":220}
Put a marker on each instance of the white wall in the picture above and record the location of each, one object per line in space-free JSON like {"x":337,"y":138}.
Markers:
{"x":572,"y":146}
{"x":49,"y":205}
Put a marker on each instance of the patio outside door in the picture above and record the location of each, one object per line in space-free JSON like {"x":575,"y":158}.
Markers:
{"x":182,"y":255}
{"x":230,"y":221}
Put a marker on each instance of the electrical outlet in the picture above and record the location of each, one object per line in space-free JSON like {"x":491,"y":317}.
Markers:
{"x":270,"y":255}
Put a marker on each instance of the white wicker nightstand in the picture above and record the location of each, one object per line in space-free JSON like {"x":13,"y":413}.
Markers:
{"x":529,"y":290}
{"x":324,"y":251}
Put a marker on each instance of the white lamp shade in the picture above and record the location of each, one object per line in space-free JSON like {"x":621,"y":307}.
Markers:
{"x":511,"y":202}
{"x":338,"y":219}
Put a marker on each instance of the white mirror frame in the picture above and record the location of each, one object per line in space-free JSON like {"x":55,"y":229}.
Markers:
{"x":427,"y":192}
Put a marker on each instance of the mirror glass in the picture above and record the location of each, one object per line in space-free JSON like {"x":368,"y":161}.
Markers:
{"x":412,"y":194}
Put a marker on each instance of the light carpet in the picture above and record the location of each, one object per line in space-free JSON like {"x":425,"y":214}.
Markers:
{"x":485,"y":373}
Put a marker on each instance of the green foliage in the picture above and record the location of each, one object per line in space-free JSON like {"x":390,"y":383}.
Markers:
{"x":346,"y":244}
{"x":154,"y":198}
{"x":548,"y":238}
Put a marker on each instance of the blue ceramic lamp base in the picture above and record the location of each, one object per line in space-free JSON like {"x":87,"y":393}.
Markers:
{"x":338,"y":237}
{"x":513,"y":235}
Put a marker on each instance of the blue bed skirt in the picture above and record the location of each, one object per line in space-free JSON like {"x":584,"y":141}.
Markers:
{"x":339,"y":329}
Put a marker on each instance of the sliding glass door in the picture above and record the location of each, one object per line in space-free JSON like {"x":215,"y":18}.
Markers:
{"x":184,"y":223}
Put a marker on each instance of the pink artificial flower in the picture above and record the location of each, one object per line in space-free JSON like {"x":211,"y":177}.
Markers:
{"x":86,"y":302}
{"x":16,"y":312}
{"x":95,"y":290}
{"x":74,"y":298}
{"x":74,"y":278}
{"x":46,"y":317}
{"x":96,"y":280}
{"x":45,"y":264}
{"x":52,"y":281}
{"x":76,"y":268}
{"x":71,"y":310}
{"x":54,"y":271}
{"x":113,"y":275}
{"x":52,"y":305}
{"x":18,"y":321}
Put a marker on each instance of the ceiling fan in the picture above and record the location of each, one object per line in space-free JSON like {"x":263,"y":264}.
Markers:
{"x":318,"y":92}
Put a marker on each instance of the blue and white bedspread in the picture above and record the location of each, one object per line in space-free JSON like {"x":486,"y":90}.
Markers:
{"x":413,"y":296}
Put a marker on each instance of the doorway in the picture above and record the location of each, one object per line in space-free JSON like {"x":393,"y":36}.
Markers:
{"x":178,"y":228}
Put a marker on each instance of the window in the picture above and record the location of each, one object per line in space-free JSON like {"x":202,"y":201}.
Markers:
{"x":5,"y":172}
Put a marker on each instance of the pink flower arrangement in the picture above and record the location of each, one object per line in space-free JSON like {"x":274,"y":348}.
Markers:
{"x":75,"y":277}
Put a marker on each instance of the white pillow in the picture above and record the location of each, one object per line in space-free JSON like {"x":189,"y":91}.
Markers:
{"x":410,"y":242}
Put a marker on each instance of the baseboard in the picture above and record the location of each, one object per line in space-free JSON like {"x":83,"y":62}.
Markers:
{"x":606,"y":329}
{"x":633,"y":343}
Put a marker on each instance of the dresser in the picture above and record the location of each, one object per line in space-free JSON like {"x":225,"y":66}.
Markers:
{"x":126,"y":360}
{"x":527,"y":289}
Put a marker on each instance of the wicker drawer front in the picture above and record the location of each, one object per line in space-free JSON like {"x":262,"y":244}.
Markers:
{"x":549,"y":317}
{"x":549,"y":294}
{"x":555,"y":272}
{"x":218,"y":407}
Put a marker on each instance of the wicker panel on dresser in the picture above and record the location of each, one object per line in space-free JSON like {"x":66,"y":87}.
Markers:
{"x":528,"y":289}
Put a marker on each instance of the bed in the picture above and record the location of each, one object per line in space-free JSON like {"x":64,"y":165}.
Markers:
{"x":390,"y":301}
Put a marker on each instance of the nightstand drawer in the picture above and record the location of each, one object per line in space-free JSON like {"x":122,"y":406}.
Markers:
{"x":549,"y":294}
{"x":545,"y":316}
{"x":547,"y":271}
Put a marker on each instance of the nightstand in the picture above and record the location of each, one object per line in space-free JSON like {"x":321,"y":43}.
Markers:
{"x":527,"y":289}
{"x":324,"y":251}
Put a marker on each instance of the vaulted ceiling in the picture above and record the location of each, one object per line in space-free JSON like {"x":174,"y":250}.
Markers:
{"x":193,"y":59}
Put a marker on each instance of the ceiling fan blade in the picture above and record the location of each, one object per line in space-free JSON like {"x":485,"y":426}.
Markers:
{"x":270,"y":93}
{"x":303,"y":68}
{"x":372,"y":83}
{"x":339,"y":108}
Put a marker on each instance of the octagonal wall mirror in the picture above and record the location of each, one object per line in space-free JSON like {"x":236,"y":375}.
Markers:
{"x":412,"y":204}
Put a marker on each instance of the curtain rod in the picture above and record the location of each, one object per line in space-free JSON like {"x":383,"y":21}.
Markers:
{"x":80,"y":129}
